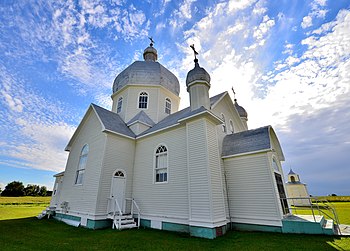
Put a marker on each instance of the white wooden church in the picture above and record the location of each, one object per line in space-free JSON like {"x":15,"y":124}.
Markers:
{"x":145,"y":163}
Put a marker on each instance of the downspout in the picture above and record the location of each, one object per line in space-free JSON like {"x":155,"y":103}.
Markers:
{"x":228,"y":199}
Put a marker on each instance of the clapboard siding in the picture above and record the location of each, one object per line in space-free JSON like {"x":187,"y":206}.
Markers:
{"x":162,"y":199}
{"x":216,"y":185}
{"x":83,"y":197}
{"x":226,"y":107}
{"x":200,"y":208}
{"x":251,"y":189}
{"x":175,"y":100}
{"x":119,"y":154}
{"x":133,"y":102}
{"x":124,"y":94}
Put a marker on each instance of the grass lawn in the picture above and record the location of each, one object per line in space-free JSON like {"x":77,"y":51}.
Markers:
{"x":19,"y":230}
{"x":342,"y":208}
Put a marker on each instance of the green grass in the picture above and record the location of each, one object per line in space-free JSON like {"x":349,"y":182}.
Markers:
{"x":342,"y":209}
{"x":335,"y":198}
{"x":24,"y":200}
{"x":19,"y":230}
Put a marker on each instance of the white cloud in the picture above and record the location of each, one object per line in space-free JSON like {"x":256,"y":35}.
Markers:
{"x":307,"y":22}
{"x":317,"y":80}
{"x":263,"y":28}
{"x":317,"y":11}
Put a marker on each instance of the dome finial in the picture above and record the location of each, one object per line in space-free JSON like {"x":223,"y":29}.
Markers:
{"x":150,"y":53}
{"x":195,"y":53}
{"x":152,"y":41}
{"x":234,"y":94}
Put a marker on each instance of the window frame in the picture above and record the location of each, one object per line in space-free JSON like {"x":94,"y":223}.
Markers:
{"x":145,"y":96}
{"x":79,"y":177}
{"x":119,"y":104}
{"x":232,"y":128}
{"x":166,"y":162}
{"x":224,"y":127}
{"x":167,"y":106}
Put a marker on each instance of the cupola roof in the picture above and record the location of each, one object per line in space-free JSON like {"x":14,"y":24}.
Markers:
{"x":148,"y":73}
{"x":241,"y":111}
{"x":197,"y":74}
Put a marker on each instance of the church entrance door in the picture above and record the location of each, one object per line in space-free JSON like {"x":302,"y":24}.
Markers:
{"x":118,"y":190}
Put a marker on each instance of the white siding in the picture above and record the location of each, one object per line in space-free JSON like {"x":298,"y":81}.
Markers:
{"x":162,"y":199}
{"x":200,"y":209}
{"x":133,"y":102}
{"x":83,"y":197}
{"x":175,"y":100}
{"x":119,"y":154}
{"x":252,"y":192}
{"x":123,"y":93}
{"x":218,"y":204}
{"x":226,"y":107}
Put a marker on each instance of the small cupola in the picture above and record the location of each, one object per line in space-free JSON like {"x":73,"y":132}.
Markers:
{"x":293,"y":177}
{"x":150,"y":53}
{"x":198,"y":85}
{"x":242,"y":113}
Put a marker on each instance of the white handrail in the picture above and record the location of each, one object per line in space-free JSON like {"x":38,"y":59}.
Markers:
{"x":133,"y":206}
{"x":320,"y":209}
{"x":115,"y":201}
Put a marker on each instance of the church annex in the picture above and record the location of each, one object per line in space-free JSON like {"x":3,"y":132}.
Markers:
{"x":145,"y":163}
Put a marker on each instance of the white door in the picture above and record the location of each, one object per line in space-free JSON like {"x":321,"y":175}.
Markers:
{"x":118,"y":190}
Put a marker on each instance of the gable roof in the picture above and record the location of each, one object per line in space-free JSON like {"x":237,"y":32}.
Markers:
{"x":143,"y":118}
{"x":255,"y":140}
{"x":112,"y":122}
{"x":177,"y":117}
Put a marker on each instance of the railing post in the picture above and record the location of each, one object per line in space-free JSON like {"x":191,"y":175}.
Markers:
{"x":132,"y":207}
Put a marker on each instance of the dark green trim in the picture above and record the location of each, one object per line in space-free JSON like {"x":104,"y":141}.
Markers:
{"x":60,"y":216}
{"x":203,"y":232}
{"x":255,"y":227}
{"x":175,"y":227}
{"x":99,"y":224}
{"x":145,"y":223}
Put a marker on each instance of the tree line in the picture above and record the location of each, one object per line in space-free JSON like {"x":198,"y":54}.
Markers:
{"x":16,"y":189}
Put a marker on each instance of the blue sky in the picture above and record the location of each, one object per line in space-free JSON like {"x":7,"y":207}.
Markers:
{"x":288,"y":61}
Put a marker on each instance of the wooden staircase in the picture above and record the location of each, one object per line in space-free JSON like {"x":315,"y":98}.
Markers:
{"x":124,"y":221}
{"x":121,"y":219}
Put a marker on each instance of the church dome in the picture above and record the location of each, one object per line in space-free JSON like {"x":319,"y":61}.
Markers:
{"x":241,"y":111}
{"x":197,"y":74}
{"x":148,"y":73}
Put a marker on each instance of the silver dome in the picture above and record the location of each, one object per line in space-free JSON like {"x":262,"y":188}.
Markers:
{"x":241,"y":111}
{"x":197,"y":73}
{"x":147,"y":73}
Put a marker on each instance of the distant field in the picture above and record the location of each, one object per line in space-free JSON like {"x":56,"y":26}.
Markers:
{"x":335,"y":198}
{"x":22,"y":207}
{"x":24,"y":200}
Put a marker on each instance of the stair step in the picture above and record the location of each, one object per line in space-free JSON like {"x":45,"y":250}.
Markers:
{"x":328,"y":224}
{"x":127,"y":226}
{"x":128,"y":221}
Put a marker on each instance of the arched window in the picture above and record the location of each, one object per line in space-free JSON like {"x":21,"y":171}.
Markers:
{"x":231,"y":126}
{"x":143,"y":100}
{"x":292,"y":179}
{"x":167,"y":106}
{"x":120,"y":104}
{"x":275,"y":165}
{"x":82,"y":164}
{"x":224,"y":123}
{"x":119,"y":174}
{"x":161,"y":164}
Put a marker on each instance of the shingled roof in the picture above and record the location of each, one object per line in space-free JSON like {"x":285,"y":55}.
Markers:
{"x":112,"y":121}
{"x":141,"y":117}
{"x":247,"y":141}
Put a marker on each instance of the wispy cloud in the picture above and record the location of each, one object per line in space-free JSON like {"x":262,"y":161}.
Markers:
{"x":317,"y":11}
